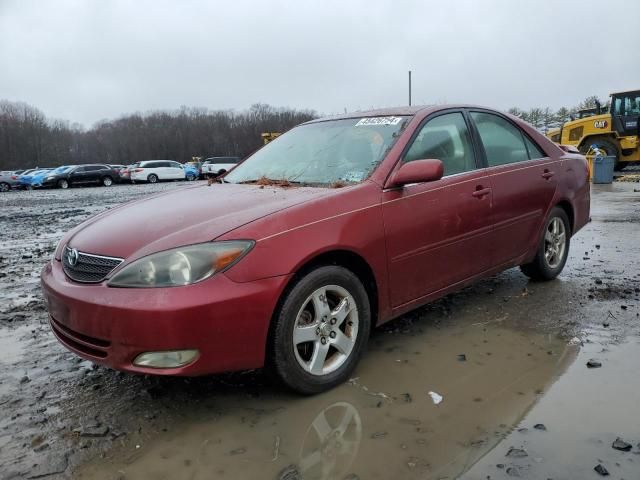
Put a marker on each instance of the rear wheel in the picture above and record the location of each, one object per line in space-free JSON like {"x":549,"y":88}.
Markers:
{"x":63,"y":183}
{"x":606,"y":145}
{"x":107,"y":181}
{"x":153,"y":178}
{"x":4,"y":187}
{"x":553,"y":249}
{"x":221,"y":172}
{"x":320,"y":331}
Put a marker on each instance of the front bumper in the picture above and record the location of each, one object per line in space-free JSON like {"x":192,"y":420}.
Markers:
{"x":227,"y":322}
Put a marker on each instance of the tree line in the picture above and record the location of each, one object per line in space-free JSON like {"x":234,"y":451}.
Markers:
{"x":545,"y":119}
{"x":29,"y":139}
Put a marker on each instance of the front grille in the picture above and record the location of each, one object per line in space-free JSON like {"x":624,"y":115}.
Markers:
{"x":88,"y":268}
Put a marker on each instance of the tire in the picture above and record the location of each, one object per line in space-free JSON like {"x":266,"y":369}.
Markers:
{"x":610,"y":148}
{"x":292,"y":359}
{"x":546,"y":265}
{"x":63,"y":184}
{"x":4,"y":187}
{"x":107,"y":181}
{"x":221,"y":172}
{"x":153,"y":178}
{"x":190,"y":178}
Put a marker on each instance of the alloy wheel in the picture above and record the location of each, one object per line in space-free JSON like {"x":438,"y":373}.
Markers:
{"x":325,"y":330}
{"x":555,"y":241}
{"x":4,"y":187}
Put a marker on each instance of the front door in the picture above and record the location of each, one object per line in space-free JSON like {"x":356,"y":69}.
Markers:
{"x":438,"y":233}
{"x":523,"y":180}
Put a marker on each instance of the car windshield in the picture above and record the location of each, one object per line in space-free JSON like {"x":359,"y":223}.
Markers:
{"x":323,"y":153}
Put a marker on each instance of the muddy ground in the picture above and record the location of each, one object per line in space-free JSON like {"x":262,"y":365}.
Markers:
{"x":506,"y":360}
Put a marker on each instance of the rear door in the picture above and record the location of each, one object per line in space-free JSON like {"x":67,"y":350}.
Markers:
{"x":523,"y":180}
{"x":94,"y":173}
{"x":438,"y":233}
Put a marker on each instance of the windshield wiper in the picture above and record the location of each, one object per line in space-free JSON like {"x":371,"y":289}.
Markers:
{"x":271,"y":181}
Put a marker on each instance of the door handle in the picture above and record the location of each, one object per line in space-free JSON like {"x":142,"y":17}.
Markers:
{"x":547,"y":174}
{"x":481,"y":192}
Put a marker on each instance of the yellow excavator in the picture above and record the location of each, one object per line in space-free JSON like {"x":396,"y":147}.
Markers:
{"x":616,"y":132}
{"x":270,"y":136}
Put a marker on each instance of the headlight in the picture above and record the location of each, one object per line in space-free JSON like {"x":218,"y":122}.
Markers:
{"x":50,"y":177}
{"x":181,"y":266}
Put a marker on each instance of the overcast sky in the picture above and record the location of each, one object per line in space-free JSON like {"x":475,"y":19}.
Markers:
{"x":89,"y":60}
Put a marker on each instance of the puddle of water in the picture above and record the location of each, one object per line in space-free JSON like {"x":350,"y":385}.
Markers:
{"x":584,"y":414}
{"x":382,"y":424}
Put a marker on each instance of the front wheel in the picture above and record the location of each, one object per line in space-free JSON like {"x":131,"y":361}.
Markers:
{"x":320,"y":331}
{"x":63,"y":183}
{"x":553,"y":249}
{"x":152,"y":178}
{"x":191,"y":178}
{"x":107,"y":181}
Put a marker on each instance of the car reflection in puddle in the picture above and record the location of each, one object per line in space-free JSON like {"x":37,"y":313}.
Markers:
{"x":382,"y":424}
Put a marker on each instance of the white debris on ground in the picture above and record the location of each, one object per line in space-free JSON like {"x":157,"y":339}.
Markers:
{"x":436,"y":397}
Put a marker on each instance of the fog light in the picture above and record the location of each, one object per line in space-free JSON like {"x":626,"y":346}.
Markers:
{"x":169,"y":359}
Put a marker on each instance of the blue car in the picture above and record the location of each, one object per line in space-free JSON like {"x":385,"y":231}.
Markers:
{"x":26,"y":180}
{"x":50,"y":178}
{"x":191,"y":172}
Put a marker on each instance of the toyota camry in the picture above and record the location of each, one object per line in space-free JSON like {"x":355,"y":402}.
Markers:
{"x":330,"y":230}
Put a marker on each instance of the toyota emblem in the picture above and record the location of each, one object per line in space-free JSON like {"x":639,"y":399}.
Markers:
{"x":72,"y":256}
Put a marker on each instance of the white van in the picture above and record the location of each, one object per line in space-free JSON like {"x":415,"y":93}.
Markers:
{"x":154,"y":170}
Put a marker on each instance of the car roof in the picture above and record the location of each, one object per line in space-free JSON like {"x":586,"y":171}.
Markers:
{"x":396,"y":111}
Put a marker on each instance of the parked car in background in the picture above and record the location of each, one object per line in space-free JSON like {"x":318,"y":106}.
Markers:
{"x":191,"y":172}
{"x":125,"y":173}
{"x":196,"y":165}
{"x":218,"y":165}
{"x":27,"y":179}
{"x":118,"y":169}
{"x":38,"y":178}
{"x":153,"y":171}
{"x":8,"y":180}
{"x":96,"y":174}
{"x":284,"y":269}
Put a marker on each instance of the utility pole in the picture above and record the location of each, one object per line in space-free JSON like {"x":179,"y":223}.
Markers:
{"x":409,"y":87}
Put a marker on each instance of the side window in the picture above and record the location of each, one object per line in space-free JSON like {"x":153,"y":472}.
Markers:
{"x":503,"y":142}
{"x":446,"y":138}
{"x":534,"y":150}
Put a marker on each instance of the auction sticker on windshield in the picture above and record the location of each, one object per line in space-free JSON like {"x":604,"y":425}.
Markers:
{"x":369,"y":121}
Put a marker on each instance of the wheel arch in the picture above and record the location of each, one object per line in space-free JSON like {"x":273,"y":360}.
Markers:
{"x":569,"y":210}
{"x":611,"y":137}
{"x":343,"y":258}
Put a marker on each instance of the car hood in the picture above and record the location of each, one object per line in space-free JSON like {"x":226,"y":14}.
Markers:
{"x":185,"y":216}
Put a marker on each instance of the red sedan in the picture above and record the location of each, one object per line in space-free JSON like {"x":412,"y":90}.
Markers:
{"x":335,"y":227}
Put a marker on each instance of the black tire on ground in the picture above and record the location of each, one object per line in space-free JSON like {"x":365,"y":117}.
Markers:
{"x":191,"y":178}
{"x":63,"y":183}
{"x":4,"y":187}
{"x":540,"y":269}
{"x":281,"y":356}
{"x":107,"y":181}
{"x":608,"y":146}
{"x":153,"y":178}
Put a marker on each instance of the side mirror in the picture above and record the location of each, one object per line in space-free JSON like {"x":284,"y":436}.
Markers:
{"x":417,"y":171}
